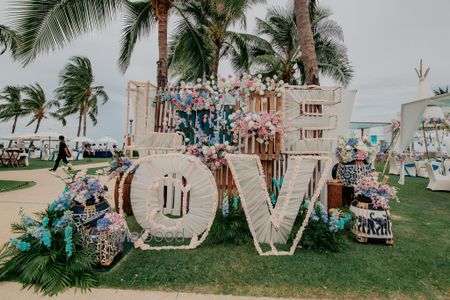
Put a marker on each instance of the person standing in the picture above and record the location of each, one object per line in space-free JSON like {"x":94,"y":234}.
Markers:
{"x":63,"y":154}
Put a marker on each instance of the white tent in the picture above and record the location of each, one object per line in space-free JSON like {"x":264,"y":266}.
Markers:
{"x":81,"y":139}
{"x":107,"y":140}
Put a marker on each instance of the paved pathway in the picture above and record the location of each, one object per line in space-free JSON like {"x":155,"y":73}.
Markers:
{"x":37,"y":198}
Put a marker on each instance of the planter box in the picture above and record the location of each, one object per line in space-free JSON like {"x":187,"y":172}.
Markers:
{"x":371,"y":223}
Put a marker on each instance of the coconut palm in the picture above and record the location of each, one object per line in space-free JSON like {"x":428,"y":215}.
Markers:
{"x":441,"y":91}
{"x":202,"y":37}
{"x":275,"y":50}
{"x":48,"y":25}
{"x":8,"y":40}
{"x":36,"y":104}
{"x":78,"y":93}
{"x":11,"y":107}
{"x":306,"y":40}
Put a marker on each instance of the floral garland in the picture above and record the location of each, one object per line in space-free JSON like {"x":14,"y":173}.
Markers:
{"x":213,"y":156}
{"x":263,"y":126}
{"x":351,"y":149}
{"x":379,"y":193}
{"x":118,"y":167}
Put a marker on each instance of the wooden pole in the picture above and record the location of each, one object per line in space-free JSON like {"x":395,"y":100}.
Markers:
{"x":425,"y":140}
{"x":391,"y":149}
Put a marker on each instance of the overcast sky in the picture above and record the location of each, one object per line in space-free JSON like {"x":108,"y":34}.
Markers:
{"x":385,"y":39}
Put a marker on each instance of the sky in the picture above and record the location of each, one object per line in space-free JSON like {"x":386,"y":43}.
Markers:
{"x":385,"y":40}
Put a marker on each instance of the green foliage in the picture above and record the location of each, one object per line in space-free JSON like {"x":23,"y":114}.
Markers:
{"x":230,"y":226}
{"x":48,"y":263}
{"x":323,"y":233}
{"x":8,"y":40}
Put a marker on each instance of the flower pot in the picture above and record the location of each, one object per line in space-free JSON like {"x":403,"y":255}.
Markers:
{"x":126,"y":203}
{"x":352,"y":173}
{"x":89,"y":214}
{"x":371,"y":223}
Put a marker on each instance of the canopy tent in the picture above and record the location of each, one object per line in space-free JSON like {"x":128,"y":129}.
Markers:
{"x":367,"y":125}
{"x":81,"y":139}
{"x":107,"y":140}
{"x":412,"y":113}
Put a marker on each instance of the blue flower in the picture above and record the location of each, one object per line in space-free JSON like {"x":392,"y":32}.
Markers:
{"x":47,"y":238}
{"x":21,"y":245}
{"x":103,"y":224}
{"x":225,"y":207}
{"x":68,"y":241}
{"x":235,"y":202}
{"x":27,"y":221}
{"x":45,"y":221}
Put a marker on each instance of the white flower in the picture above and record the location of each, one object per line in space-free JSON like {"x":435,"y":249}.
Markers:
{"x":275,"y":77}
{"x":261,"y":92}
{"x":348,"y":147}
{"x":251,"y":124}
{"x":259,"y":76}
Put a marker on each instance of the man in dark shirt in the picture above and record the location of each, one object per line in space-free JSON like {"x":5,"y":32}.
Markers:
{"x":63,"y":154}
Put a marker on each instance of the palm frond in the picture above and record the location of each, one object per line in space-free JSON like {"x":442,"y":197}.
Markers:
{"x":48,"y":25}
{"x":138,"y":21}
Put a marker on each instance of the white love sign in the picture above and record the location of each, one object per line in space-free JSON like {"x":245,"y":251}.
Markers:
{"x":162,"y":179}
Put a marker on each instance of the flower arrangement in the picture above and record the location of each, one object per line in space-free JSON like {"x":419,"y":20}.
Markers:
{"x":351,"y":149}
{"x":211,"y":155}
{"x":399,"y":156}
{"x":49,"y":253}
{"x":118,"y":166}
{"x":325,"y":232}
{"x":110,"y":222}
{"x":86,"y":190}
{"x":379,"y":194}
{"x":263,"y":126}
{"x":394,"y":126}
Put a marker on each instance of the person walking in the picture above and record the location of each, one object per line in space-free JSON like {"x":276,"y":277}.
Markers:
{"x":63,"y":154}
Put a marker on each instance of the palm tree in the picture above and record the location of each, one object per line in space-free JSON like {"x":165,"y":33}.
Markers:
{"x":275,"y":50}
{"x":8,"y":40}
{"x":305,"y":36}
{"x":202,"y":37}
{"x":78,"y":94}
{"x":441,"y":91}
{"x":36,"y":104}
{"x":48,"y":25}
{"x":11,"y":106}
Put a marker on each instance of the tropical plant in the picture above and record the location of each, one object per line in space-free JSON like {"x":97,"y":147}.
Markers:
{"x":275,"y":50}
{"x":78,"y":94}
{"x":11,"y":107}
{"x":8,"y":40}
{"x":48,"y":253}
{"x":48,"y":25}
{"x":202,"y":37}
{"x":36,"y":104}
{"x":441,"y":90}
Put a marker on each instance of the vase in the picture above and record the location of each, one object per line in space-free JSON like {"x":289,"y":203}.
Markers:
{"x":371,"y":223}
{"x":89,"y":214}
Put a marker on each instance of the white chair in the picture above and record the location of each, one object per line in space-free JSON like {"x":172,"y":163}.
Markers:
{"x":437,"y":182}
{"x":394,"y":166}
{"x":421,"y":169}
{"x":447,"y":167}
{"x":410,"y":169}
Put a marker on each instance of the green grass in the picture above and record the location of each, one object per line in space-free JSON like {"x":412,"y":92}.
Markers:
{"x":417,"y":266}
{"x":45,"y":164}
{"x":11,"y":185}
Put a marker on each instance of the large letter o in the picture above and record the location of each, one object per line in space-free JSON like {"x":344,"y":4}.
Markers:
{"x":147,"y":196}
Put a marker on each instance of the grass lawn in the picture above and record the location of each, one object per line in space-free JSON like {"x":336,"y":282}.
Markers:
{"x":11,"y":185}
{"x":45,"y":164}
{"x":417,"y":266}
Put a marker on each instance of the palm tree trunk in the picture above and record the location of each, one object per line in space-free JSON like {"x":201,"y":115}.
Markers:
{"x":84,"y":122}
{"x":14,"y":124}
{"x":37,"y":126}
{"x":216,"y":58}
{"x":80,"y":118}
{"x":161,"y":11}
{"x":305,"y":36}
{"x":13,"y":129}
